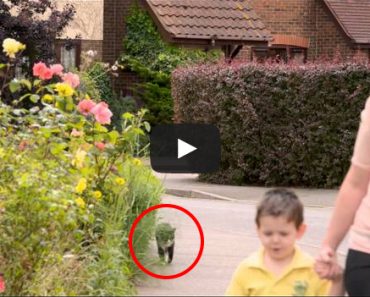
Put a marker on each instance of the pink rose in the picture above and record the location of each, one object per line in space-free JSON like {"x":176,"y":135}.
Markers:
{"x":102,"y":113}
{"x":57,"y":69}
{"x":100,"y":146}
{"x":39,"y":68}
{"x":85,"y":106}
{"x":47,"y":74}
{"x":72,"y":79}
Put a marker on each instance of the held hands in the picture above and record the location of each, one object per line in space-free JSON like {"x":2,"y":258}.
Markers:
{"x":326,"y":265}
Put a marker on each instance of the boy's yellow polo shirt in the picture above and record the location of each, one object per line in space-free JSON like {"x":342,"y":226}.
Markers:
{"x":299,"y":279}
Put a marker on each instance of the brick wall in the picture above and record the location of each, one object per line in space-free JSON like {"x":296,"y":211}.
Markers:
{"x":115,"y":12}
{"x":306,"y":18}
{"x":96,"y":45}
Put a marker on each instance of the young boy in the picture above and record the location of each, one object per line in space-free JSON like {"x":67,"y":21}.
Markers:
{"x":280,"y":268}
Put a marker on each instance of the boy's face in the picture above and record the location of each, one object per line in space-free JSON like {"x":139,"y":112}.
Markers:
{"x":278,"y":236}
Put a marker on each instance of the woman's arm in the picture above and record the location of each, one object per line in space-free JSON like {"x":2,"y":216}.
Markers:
{"x":337,"y":288}
{"x":351,"y":193}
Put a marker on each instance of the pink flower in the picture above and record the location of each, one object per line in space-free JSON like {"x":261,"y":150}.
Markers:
{"x":43,"y":72}
{"x":23,"y":145}
{"x":39,"y":68}
{"x":102,"y":113}
{"x":100,"y":146}
{"x":76,"y":133}
{"x":72,"y":79}
{"x":85,"y":106}
{"x":57,"y":69}
{"x":47,"y":74}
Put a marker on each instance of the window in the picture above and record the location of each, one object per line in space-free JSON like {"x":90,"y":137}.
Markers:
{"x":279,"y":54}
{"x":68,"y":53}
{"x":68,"y":57}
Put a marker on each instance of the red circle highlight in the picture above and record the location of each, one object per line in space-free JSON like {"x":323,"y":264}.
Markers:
{"x":132,"y":231}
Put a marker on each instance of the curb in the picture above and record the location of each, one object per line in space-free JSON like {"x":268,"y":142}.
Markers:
{"x":197,"y":194}
{"x":206,"y":195}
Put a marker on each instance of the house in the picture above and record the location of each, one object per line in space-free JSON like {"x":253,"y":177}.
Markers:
{"x":312,"y":29}
{"x":225,"y":24}
{"x":303,"y":30}
{"x":84,"y":33}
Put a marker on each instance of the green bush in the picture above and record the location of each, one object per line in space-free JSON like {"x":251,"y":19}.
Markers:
{"x":70,"y":188}
{"x":153,"y":60}
{"x":281,"y":125}
{"x":98,"y":73}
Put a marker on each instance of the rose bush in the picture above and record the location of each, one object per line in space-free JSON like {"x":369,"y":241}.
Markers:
{"x":70,"y":188}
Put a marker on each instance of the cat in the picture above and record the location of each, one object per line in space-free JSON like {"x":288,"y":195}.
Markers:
{"x":165,"y":237}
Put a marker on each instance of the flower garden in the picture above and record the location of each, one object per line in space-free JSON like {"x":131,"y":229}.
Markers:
{"x":70,"y":186}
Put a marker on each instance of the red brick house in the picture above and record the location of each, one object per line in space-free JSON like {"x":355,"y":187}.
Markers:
{"x":300,"y":29}
{"x":225,"y":24}
{"x":315,"y":28}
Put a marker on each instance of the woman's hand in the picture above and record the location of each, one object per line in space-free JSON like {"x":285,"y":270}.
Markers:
{"x":326,"y":265}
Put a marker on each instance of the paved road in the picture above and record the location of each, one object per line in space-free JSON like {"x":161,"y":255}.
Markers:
{"x":229,"y":237}
{"x":189,"y":186}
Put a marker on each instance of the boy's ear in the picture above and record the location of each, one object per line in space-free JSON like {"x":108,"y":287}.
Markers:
{"x":301,"y":230}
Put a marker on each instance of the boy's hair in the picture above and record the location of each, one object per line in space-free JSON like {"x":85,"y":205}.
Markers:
{"x":281,"y":202}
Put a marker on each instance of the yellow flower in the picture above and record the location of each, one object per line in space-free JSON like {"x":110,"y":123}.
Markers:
{"x":136,"y":162}
{"x":12,"y":46}
{"x":81,"y":186}
{"x":80,"y":202}
{"x":97,"y":195}
{"x":128,"y":116}
{"x":120,"y":181}
{"x":47,"y":98}
{"x":64,"y":89}
{"x":79,"y":158}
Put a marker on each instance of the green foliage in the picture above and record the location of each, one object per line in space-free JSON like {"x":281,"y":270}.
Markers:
{"x":70,"y":189}
{"x":88,"y":85}
{"x":280,"y":125}
{"x":153,"y":60}
{"x":99,"y":74}
{"x":142,"y":39}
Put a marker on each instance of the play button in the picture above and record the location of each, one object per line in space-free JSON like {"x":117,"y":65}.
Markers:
{"x":185,"y":148}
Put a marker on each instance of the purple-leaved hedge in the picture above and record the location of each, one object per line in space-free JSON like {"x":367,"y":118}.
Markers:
{"x":281,"y":125}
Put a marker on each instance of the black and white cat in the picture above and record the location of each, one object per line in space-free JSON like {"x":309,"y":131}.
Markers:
{"x":165,"y":237}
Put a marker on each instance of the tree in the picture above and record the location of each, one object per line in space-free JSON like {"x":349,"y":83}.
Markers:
{"x":36,"y":23}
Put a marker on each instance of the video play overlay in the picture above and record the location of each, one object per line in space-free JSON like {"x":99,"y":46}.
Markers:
{"x":185,"y":148}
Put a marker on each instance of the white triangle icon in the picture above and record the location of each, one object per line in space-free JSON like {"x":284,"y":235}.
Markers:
{"x":184,"y":148}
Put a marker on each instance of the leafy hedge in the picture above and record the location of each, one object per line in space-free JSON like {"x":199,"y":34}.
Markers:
{"x":153,"y":60}
{"x":280,"y":125}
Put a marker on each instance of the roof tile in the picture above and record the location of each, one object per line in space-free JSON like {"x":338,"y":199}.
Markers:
{"x":354,"y":18}
{"x":204,"y":19}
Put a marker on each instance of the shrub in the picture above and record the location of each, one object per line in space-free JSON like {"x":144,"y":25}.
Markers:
{"x":99,"y":75}
{"x":153,"y":60}
{"x":69,"y":190}
{"x":35,"y":23}
{"x":281,"y":125}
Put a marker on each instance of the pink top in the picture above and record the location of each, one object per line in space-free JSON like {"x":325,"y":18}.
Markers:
{"x":360,"y":230}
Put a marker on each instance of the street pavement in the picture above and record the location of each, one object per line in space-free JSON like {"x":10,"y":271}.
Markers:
{"x":187,"y":185}
{"x":230,"y":236}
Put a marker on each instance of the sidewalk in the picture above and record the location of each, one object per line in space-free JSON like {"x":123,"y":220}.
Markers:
{"x":187,"y":185}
